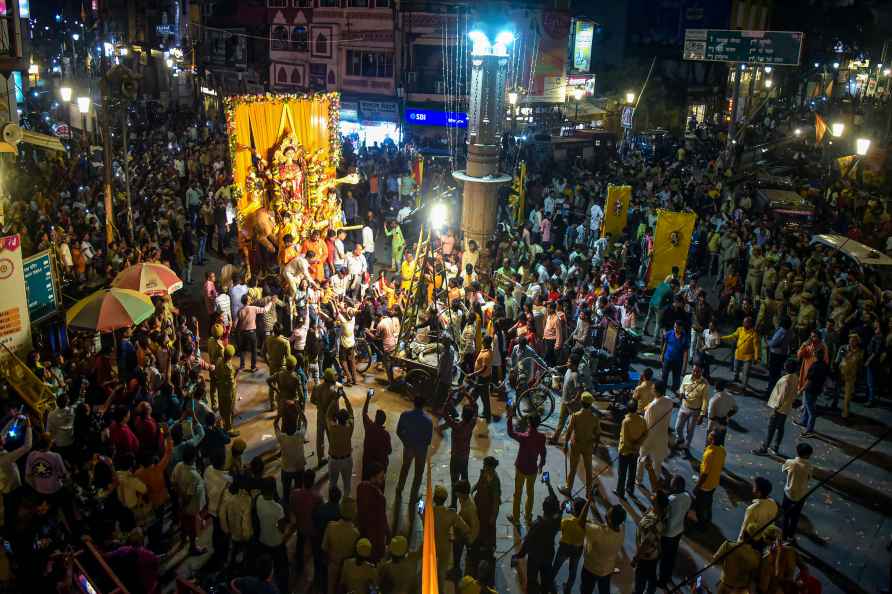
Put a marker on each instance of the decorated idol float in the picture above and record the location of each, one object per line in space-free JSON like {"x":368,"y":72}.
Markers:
{"x":285,"y":151}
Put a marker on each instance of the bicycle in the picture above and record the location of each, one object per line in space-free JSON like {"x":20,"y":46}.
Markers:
{"x":541,"y":393}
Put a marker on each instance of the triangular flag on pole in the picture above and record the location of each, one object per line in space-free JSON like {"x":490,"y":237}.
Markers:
{"x":829,"y":90}
{"x":820,"y":129}
{"x":429,"y":582}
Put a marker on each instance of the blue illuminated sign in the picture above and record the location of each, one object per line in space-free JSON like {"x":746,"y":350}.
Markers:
{"x":433,"y":117}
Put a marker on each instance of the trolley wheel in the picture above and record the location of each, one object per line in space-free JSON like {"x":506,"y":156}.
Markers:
{"x":363,"y":355}
{"x":419,"y":383}
{"x":535,"y":401}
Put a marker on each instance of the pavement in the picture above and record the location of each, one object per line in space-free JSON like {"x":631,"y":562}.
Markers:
{"x":842,"y":535}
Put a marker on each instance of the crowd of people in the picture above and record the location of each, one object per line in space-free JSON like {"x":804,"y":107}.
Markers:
{"x":142,"y":453}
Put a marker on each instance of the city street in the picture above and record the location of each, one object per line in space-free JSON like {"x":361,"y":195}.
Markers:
{"x":846,"y":559}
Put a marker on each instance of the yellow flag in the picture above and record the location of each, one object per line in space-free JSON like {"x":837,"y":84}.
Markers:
{"x":672,"y":240}
{"x":846,"y":165}
{"x":616,"y":210}
{"x":429,"y":584}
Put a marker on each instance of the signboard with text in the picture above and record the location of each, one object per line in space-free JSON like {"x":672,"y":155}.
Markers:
{"x":583,"y":34}
{"x":15,"y":323}
{"x":40,"y":286}
{"x":433,"y":117}
{"x":379,"y":111}
{"x":772,"y":48}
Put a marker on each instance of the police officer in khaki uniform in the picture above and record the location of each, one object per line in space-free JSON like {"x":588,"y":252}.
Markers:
{"x":324,"y":393}
{"x":277,"y":349}
{"x":339,"y":542}
{"x":583,"y":434}
{"x":754,"y":273}
{"x":286,"y":384}
{"x":807,"y":316}
{"x":399,"y":573}
{"x":359,"y":573}
{"x":215,"y":351}
{"x":227,"y":380}
{"x":447,"y":522}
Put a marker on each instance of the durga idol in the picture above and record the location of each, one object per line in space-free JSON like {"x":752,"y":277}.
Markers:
{"x":288,"y":175}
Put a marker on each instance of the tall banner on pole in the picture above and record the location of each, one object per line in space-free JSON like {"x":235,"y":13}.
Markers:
{"x":616,"y":210}
{"x":672,"y":241}
{"x":429,"y":582}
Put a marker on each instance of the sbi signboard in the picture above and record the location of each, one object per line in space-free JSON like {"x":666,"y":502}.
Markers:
{"x":433,"y":117}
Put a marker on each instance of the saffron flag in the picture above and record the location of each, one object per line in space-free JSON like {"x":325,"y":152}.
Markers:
{"x":829,"y":90}
{"x":429,"y":583}
{"x":672,"y":241}
{"x":616,"y":210}
{"x":820,"y":129}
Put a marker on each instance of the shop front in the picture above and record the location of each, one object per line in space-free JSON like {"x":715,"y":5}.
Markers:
{"x":370,"y":121}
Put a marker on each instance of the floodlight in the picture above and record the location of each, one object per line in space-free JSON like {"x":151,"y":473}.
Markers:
{"x":65,"y":93}
{"x":83,"y":104}
{"x":438,"y":215}
{"x":837,"y":129}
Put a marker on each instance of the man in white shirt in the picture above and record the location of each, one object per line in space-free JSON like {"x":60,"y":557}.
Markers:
{"x":761,"y":512}
{"x":798,"y":471}
{"x":340,"y":251}
{"x":368,"y":243}
{"x":340,"y":282}
{"x":679,"y":505}
{"x":781,"y":403}
{"x":656,"y":443}
{"x":271,"y":520}
{"x":596,"y":214}
{"x":548,"y":205}
{"x":216,"y":483}
{"x":357,"y":266}
{"x":722,"y":406}
{"x":60,"y":423}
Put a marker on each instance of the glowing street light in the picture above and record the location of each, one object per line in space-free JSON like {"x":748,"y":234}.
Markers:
{"x":169,"y":62}
{"x":797,"y":132}
{"x":767,"y":69}
{"x":577,"y":94}
{"x":862,"y":145}
{"x":438,"y":215}
{"x":630,"y":97}
{"x":768,"y":83}
{"x":83,"y":105}
{"x":837,"y":129}
{"x":512,"y":97}
{"x":65,"y":93}
{"x":836,"y":65}
{"x":887,"y":71}
{"x":75,"y":36}
{"x":482,"y":46}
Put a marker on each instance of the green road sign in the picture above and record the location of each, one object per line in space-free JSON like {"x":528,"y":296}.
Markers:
{"x":772,"y":48}
{"x":40,"y":286}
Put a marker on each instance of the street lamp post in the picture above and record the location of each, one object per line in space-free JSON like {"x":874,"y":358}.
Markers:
{"x":83,"y":106}
{"x":577,"y":95}
{"x":512,"y":102}
{"x":65,"y":94}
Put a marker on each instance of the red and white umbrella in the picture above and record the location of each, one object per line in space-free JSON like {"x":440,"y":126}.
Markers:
{"x":148,"y":278}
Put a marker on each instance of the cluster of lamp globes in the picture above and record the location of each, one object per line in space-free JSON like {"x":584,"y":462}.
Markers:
{"x":83,"y":103}
{"x":862,"y":145}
